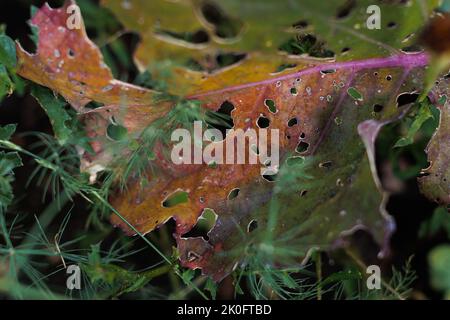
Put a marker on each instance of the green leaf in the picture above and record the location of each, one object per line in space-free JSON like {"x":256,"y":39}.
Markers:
{"x":439,"y":262}
{"x":116,"y":132}
{"x":7,"y":52}
{"x":434,"y":181}
{"x":7,"y":131}
{"x":6,"y":85}
{"x":187,"y":276}
{"x":422,"y":116}
{"x":341,"y":276}
{"x":55,"y":109}
{"x":8,"y":162}
{"x":440,"y":220}
{"x":114,"y":280}
{"x":211,"y":286}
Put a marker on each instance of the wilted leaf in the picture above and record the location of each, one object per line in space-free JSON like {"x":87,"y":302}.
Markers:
{"x":67,"y":62}
{"x":314,"y":205}
{"x":435,"y":180}
{"x":327,"y":120}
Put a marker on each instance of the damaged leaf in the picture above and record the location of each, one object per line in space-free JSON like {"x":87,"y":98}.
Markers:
{"x":435,"y":180}
{"x":317,"y":204}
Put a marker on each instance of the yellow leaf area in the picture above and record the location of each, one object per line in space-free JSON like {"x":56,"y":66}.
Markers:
{"x":165,"y":26}
{"x":187,"y":32}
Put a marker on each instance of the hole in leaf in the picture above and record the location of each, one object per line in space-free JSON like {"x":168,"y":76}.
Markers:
{"x":94,"y":105}
{"x":302,"y":147}
{"x":406,"y":98}
{"x":225,"y":26}
{"x":303,"y":193}
{"x":354,"y":93}
{"x":270,"y":176}
{"x":345,"y":50}
{"x":412,"y":48}
{"x":292,"y":122}
{"x":228,"y":59}
{"x":326,"y":164}
{"x":197,"y":37}
{"x":270,"y":104}
{"x":116,"y":132}
{"x":306,"y":44}
{"x":293,"y":91}
{"x":175,"y":198}
{"x":389,"y":78}
{"x":252,"y":226}
{"x":263,"y":122}
{"x":223,"y":120}
{"x":302,"y":135}
{"x":377,"y":108}
{"x":285,"y":66}
{"x":70,"y":53}
{"x":391,"y":25}
{"x":194,"y":65}
{"x":204,"y":224}
{"x":327,"y":71}
{"x":233,"y":193}
{"x":345,"y":10}
{"x":423,"y":174}
{"x":302,"y":24}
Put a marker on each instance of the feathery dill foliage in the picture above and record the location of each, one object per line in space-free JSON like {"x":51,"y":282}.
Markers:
{"x":142,"y":151}
{"x":267,"y":257}
{"x":397,"y":287}
{"x":58,"y":170}
{"x":273,"y":267}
